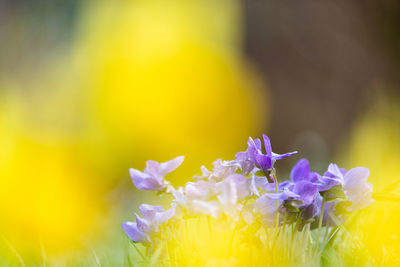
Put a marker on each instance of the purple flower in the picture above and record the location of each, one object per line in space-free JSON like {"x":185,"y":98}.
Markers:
{"x":308,"y":198}
{"x":195,"y":204}
{"x":222,"y":169}
{"x":136,"y":235}
{"x":335,"y":172}
{"x":200,"y":189}
{"x":355,"y":185}
{"x":254,"y":155}
{"x":265,"y":205}
{"x":236,"y":185}
{"x":301,"y":172}
{"x":307,"y":192}
{"x":357,"y":189}
{"x":305,"y":184}
{"x":205,"y":174}
{"x":143,"y":228}
{"x":332,"y":177}
{"x":156,"y":214}
{"x":230,"y":191}
{"x":179,"y":197}
{"x":211,"y":208}
{"x":152,"y":178}
{"x":247,"y":159}
{"x":195,"y":198}
{"x":314,"y":208}
{"x":259,"y":182}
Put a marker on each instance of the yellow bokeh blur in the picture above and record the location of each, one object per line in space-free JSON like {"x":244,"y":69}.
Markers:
{"x":46,"y":194}
{"x":375,"y":143}
{"x":182,"y":85}
{"x":142,"y":80}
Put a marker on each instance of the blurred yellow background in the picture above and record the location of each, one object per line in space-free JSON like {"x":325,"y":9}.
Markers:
{"x":141,"y":80}
{"x":89,"y":89}
{"x":375,"y":142}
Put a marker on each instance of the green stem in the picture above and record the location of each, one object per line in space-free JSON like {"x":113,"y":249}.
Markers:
{"x":321,"y":217}
{"x":277,"y":201}
{"x":138,"y":251}
{"x":326,"y":233}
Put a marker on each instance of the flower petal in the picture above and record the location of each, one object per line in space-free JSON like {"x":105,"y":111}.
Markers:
{"x":149,"y":211}
{"x":205,"y":207}
{"x":300,"y":171}
{"x":142,"y":224}
{"x":267,"y":145}
{"x":162,"y":217}
{"x":263,"y":162}
{"x":200,"y":189}
{"x":276,"y":157}
{"x":145,"y":181}
{"x":326,"y":183}
{"x":334,"y":171}
{"x":306,"y":190}
{"x":131,"y":229}
{"x":355,"y":176}
{"x":169,"y":166}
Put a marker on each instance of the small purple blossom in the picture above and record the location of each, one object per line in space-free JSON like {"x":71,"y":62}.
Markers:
{"x":307,"y":192}
{"x":357,"y":189}
{"x":265,"y":205}
{"x":195,"y":198}
{"x":156,"y":214}
{"x":202,"y":207}
{"x":133,"y":232}
{"x":230,"y":191}
{"x":255,"y":156}
{"x":354,"y":183}
{"x":335,"y":172}
{"x":152,"y":178}
{"x":301,"y":172}
{"x":143,"y":228}
{"x":257,"y":183}
{"x":314,"y":208}
{"x":205,"y":174}
{"x":245,"y":189}
{"x":222,"y":169}
{"x":332,"y":177}
{"x":304,"y":183}
{"x":236,"y":184}
{"x":308,"y":185}
{"x":200,"y":189}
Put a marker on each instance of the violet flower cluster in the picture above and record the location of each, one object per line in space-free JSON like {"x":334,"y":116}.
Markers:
{"x":248,"y":190}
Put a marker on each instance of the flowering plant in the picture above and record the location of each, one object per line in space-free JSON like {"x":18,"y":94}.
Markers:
{"x":246,"y":210}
